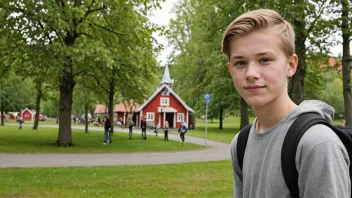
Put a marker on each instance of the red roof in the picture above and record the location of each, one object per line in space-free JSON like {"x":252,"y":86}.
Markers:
{"x":100,"y":109}
{"x":333,"y":63}
{"x":121,"y":107}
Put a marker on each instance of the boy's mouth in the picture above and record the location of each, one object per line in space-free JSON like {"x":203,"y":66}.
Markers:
{"x":254,"y":88}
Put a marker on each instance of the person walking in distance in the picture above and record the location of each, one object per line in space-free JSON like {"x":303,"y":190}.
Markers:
{"x":107,"y":129}
{"x":19,"y":119}
{"x":166,"y":131}
{"x":144,"y":128}
{"x":130,"y":127}
{"x":182,"y":130}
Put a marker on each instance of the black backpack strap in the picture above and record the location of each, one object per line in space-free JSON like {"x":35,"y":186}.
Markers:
{"x":242,"y":143}
{"x":289,"y":147}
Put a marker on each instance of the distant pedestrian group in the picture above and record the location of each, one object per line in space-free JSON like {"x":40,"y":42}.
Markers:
{"x":143,"y":125}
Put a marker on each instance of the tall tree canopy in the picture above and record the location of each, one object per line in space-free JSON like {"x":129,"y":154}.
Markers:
{"x":77,"y":32}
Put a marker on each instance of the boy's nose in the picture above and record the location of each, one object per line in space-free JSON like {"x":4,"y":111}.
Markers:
{"x":252,"y":72}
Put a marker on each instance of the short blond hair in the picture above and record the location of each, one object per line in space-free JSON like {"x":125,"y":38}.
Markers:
{"x":257,"y":20}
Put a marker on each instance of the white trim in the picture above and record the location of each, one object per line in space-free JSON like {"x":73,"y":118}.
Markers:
{"x":140,"y":119}
{"x":124,"y":119}
{"x":172,"y":92}
{"x":159,"y":118}
{"x":166,"y":109}
{"x":164,"y":101}
{"x":175,"y":126}
{"x":151,"y":115}
{"x":178,"y":117}
{"x":187,"y":119}
{"x":164,"y":120}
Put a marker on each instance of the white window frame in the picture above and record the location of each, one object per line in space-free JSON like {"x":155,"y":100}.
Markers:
{"x":164,"y":101}
{"x":150,"y":116}
{"x":180,"y":117}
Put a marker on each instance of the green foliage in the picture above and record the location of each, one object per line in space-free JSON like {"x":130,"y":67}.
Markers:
{"x":199,"y":67}
{"x":315,"y":81}
{"x":109,"y":41}
{"x":15,"y":93}
{"x":198,"y":180}
{"x":333,"y":93}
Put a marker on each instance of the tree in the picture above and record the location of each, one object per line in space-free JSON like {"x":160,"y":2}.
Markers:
{"x":73,"y":28}
{"x":39,"y":65}
{"x":14,"y":94}
{"x":346,"y":25}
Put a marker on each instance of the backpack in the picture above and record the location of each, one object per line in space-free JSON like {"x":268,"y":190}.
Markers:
{"x":291,"y":141}
{"x":130,"y":123}
{"x":184,"y":129}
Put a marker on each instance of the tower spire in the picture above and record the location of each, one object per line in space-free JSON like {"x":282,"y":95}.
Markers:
{"x":166,"y":77}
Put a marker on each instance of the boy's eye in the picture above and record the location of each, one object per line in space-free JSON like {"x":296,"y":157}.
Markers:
{"x":239,"y":63}
{"x":264,"y":60}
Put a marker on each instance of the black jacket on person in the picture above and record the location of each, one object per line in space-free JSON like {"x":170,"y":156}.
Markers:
{"x":107,"y":124}
{"x":143,"y":124}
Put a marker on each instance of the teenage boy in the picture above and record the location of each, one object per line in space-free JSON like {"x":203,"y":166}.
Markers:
{"x":260,"y":47}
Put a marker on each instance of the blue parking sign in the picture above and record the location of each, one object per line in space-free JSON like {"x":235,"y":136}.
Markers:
{"x":207,"y":98}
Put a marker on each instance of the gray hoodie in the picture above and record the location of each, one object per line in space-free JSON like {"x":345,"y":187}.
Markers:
{"x":321,"y":160}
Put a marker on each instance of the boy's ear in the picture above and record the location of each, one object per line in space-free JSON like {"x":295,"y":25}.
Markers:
{"x":292,"y":66}
{"x":228,"y":66}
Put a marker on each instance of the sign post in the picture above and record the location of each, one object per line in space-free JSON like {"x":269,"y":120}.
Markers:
{"x":206,"y":100}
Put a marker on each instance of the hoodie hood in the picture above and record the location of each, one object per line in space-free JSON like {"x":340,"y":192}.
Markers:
{"x":316,"y":106}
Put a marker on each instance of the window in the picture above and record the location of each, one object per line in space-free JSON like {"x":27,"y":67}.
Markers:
{"x":165,"y":92}
{"x":164,"y":101}
{"x":180,"y":117}
{"x":150,"y":117}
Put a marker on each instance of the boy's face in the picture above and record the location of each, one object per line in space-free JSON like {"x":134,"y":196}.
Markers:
{"x":259,"y":67}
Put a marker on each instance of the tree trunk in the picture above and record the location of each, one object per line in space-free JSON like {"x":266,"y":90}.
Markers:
{"x":244,"y":114}
{"x":346,"y":59}
{"x":2,"y":117}
{"x":86,"y":118}
{"x":297,"y":92}
{"x":37,"y":105}
{"x":1,"y":105}
{"x":111,"y":101}
{"x":66,"y":92}
{"x":221,"y":112}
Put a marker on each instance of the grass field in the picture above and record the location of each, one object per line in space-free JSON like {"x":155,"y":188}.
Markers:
{"x":201,"y":179}
{"x":230,"y":129}
{"x":13,"y":140}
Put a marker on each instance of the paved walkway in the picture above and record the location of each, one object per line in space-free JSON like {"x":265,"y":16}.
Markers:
{"x":215,"y":151}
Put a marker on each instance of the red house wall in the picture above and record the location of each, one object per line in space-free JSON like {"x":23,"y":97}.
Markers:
{"x":26,"y":115}
{"x":153,"y":105}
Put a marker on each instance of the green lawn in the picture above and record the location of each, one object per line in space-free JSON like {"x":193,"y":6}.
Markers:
{"x":230,"y":129}
{"x":201,"y":179}
{"x":13,"y":140}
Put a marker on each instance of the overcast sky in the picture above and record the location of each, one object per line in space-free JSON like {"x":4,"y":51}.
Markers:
{"x":163,"y":16}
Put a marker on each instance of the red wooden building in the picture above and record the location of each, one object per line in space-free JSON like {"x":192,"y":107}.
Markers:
{"x":121,"y":111}
{"x":29,"y":115}
{"x":163,"y":105}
